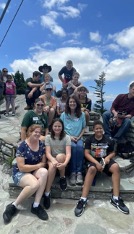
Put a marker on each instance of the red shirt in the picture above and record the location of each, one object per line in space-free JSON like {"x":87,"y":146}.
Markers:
{"x":123,"y":103}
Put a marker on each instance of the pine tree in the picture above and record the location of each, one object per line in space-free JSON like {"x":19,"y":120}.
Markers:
{"x":99,"y":105}
{"x":20,"y":82}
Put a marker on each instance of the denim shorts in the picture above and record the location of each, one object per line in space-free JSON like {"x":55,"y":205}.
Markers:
{"x":17,"y":177}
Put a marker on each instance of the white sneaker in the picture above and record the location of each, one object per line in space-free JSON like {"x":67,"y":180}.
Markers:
{"x":6,"y":114}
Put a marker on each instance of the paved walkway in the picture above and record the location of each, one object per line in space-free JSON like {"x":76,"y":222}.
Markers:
{"x":100,"y":217}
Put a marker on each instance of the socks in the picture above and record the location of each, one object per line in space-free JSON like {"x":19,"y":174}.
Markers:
{"x":47,"y":194}
{"x":35,"y":204}
{"x":83,"y":198}
{"x":115,"y":197}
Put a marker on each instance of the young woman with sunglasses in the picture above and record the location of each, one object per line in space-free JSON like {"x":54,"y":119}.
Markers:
{"x":36,"y":116}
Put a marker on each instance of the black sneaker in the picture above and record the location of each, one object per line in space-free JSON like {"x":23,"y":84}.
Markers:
{"x":40,"y":212}
{"x":9,"y":212}
{"x":63,"y":183}
{"x":119,"y":204}
{"x":47,"y":201}
{"x":80,"y":207}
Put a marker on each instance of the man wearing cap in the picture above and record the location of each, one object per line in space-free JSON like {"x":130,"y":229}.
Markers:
{"x":32,"y":90}
{"x":68,"y":72}
{"x":45,"y":69}
{"x":50,"y":103}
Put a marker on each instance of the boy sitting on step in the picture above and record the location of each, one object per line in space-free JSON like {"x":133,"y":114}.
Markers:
{"x":99,"y":152}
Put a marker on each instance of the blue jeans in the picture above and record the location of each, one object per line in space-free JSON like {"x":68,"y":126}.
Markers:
{"x":77,"y":156}
{"x":121,"y":131}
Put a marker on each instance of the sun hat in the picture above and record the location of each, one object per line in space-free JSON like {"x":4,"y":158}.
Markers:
{"x":45,"y":66}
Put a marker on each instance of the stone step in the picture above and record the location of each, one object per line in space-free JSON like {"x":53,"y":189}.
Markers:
{"x":101,"y":190}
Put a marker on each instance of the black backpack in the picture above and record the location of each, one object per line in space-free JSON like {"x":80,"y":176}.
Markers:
{"x":125,"y":150}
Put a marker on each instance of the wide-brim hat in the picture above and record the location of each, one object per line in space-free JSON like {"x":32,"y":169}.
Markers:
{"x":43,"y":67}
{"x":82,"y":87}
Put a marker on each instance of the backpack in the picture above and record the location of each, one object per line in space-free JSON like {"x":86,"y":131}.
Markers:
{"x":125,"y":150}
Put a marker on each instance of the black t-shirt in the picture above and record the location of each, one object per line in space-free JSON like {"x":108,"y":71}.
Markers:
{"x":32,"y":81}
{"x":67,"y":73}
{"x":99,"y":148}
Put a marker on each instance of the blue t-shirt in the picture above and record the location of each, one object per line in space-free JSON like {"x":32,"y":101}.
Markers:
{"x":31,"y":157}
{"x":73,"y":125}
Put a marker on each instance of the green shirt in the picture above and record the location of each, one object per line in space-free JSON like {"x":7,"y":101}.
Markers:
{"x":32,"y":118}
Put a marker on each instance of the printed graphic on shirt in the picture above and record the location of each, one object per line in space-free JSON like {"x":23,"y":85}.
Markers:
{"x":99,"y":150}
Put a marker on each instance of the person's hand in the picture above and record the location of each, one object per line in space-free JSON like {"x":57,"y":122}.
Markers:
{"x":60,"y":166}
{"x":107,"y":160}
{"x":54,"y":162}
{"x":30,"y":95}
{"x":99,"y":167}
{"x":74,"y":139}
{"x":41,"y":164}
{"x":46,"y":109}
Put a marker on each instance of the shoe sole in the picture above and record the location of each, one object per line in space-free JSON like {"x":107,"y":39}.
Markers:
{"x":119,"y":208}
{"x":81,"y":212}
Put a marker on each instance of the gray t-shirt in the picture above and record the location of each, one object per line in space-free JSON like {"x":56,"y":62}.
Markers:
{"x":57,"y":146}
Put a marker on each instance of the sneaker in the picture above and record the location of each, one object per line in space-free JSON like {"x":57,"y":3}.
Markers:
{"x":40,"y":212}
{"x":9,"y":212}
{"x":13,"y":114}
{"x":80,"y":207}
{"x":119,"y":204}
{"x":47,"y":201}
{"x":72,"y":180}
{"x":63,"y":183}
{"x":79,"y":179}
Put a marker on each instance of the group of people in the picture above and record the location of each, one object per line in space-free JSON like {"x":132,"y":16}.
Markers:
{"x":44,"y":150}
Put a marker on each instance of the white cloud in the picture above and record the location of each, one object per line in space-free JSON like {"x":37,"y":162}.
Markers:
{"x":71,"y":42}
{"x":125,"y":38}
{"x":49,"y":22}
{"x":69,"y":11}
{"x":95,"y":36}
{"x":30,"y":22}
{"x":51,"y":3}
{"x":2,"y":5}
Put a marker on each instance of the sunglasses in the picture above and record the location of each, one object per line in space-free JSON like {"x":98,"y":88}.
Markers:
{"x":48,"y":89}
{"x":40,"y":104}
{"x":5,"y":71}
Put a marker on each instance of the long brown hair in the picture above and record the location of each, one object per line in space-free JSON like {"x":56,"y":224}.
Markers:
{"x":78,"y":106}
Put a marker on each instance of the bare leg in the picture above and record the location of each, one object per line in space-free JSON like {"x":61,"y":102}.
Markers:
{"x":41,"y":175}
{"x":51,"y":176}
{"x":114,"y":169}
{"x":87,"y":117}
{"x":61,"y":159}
{"x":30,"y":185}
{"x":88,"y":180}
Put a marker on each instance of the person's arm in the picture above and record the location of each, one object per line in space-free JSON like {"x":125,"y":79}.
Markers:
{"x":23,"y":133}
{"x":34,"y":85}
{"x":27,"y":167}
{"x":32,"y":92}
{"x":54,"y":103}
{"x":68,"y":155}
{"x":50,"y":157}
{"x":42,"y":87}
{"x":109,"y":156}
{"x":90,"y":158}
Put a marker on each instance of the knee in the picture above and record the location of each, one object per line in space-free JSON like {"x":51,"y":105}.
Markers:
{"x":51,"y":110}
{"x":92,"y":170}
{"x":60,"y":158}
{"x":115,"y":168}
{"x":43,"y":172}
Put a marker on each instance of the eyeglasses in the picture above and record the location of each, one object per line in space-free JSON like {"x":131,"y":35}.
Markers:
{"x":48,"y":89}
{"x":40,"y":104}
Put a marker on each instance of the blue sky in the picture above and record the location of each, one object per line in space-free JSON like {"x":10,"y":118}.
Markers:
{"x":96,"y":35}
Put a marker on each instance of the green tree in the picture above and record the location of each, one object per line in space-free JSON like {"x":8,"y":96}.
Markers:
{"x":99,"y":105}
{"x":20,"y":82}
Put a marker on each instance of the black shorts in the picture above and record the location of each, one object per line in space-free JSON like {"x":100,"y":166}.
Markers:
{"x":106,"y":168}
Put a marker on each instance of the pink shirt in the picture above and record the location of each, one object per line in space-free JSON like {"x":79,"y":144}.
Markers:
{"x":10,"y":88}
